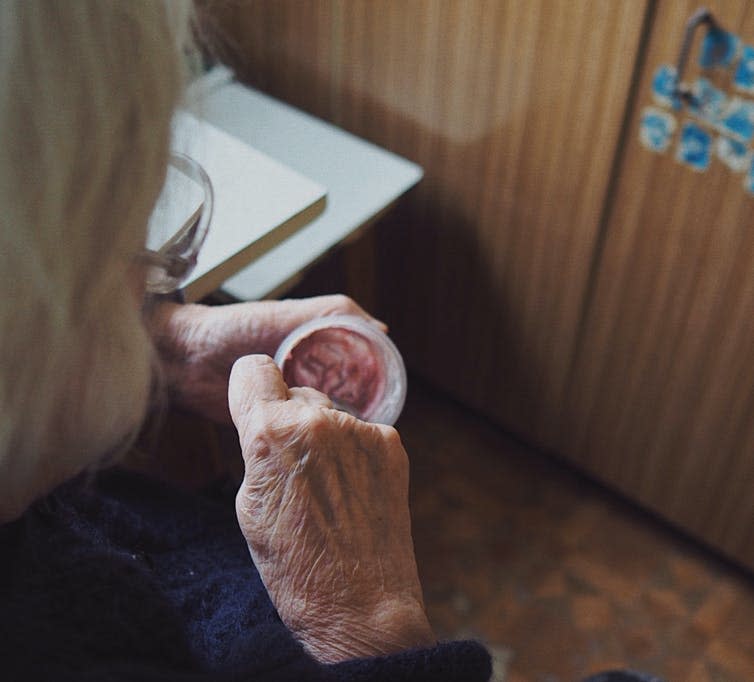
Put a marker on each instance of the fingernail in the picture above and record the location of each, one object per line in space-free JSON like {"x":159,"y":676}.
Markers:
{"x":379,"y":324}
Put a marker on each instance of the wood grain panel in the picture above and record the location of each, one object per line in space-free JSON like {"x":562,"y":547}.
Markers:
{"x":662,"y":399}
{"x":284,"y":47}
{"x":520,"y":122}
{"x":514,"y":110}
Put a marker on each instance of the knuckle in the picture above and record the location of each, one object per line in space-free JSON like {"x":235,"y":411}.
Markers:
{"x":257,"y":447}
{"x":318,"y":424}
{"x":241,"y":503}
{"x":344,"y":303}
{"x":251,"y":363}
{"x":390,"y":435}
{"x":245,"y":506}
{"x":308,"y":392}
{"x":396,"y":452}
{"x":258,"y":430}
{"x":254,"y":444}
{"x":255,"y":361}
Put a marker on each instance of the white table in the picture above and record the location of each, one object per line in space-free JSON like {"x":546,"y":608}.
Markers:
{"x":361,"y":179}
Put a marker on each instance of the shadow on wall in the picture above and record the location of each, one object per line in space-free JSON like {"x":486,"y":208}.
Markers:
{"x":440,"y":282}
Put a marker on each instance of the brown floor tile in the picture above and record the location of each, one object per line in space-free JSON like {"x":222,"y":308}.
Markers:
{"x":515,"y":676}
{"x":603,"y":580}
{"x":699,"y":672}
{"x":559,"y":650}
{"x":731,"y":660}
{"x":738,"y":627}
{"x":674,"y":668}
{"x":590,"y":612}
{"x":529,"y":556}
{"x":669,"y":603}
{"x":554,"y":584}
{"x":689,"y":573}
{"x":716,"y":607}
{"x":640,"y":643}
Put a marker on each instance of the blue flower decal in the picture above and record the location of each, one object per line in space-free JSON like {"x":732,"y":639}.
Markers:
{"x":733,"y":154}
{"x":656,"y":129}
{"x":738,"y":120}
{"x":694,"y":147}
{"x":718,"y":122}
{"x":743,"y":78}
{"x":707,"y":102}
{"x":664,"y":87}
{"x":719,"y":48}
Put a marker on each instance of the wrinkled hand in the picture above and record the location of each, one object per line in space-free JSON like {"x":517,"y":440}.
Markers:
{"x":324,"y":509}
{"x":198,"y":344}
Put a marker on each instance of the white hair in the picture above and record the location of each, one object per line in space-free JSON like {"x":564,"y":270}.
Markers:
{"x":87,"y":92}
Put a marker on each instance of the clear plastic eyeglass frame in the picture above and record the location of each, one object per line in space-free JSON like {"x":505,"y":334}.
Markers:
{"x":170,"y":265}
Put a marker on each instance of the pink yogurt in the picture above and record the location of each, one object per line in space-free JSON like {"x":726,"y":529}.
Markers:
{"x":351,"y":361}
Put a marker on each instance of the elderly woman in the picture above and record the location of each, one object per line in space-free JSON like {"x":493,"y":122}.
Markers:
{"x":307,"y":573}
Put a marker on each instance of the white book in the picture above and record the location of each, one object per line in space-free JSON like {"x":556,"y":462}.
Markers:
{"x":258,"y":202}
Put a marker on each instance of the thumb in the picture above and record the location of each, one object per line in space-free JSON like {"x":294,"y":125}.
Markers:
{"x":254,"y":379}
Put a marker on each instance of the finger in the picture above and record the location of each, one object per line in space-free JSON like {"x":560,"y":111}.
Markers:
{"x":379,"y":324}
{"x":254,"y":378}
{"x":396,"y":458}
{"x":339,"y":304}
{"x":356,"y":309}
{"x":389,"y":434}
{"x":309,"y":395}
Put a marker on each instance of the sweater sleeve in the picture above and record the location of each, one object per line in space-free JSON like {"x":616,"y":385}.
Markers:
{"x":127,"y":581}
{"x":462,"y":661}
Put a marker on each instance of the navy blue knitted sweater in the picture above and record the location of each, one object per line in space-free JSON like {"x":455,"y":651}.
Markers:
{"x":123,"y":578}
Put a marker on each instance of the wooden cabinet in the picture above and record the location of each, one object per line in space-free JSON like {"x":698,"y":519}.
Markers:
{"x":550,"y":272}
{"x":661,"y":400}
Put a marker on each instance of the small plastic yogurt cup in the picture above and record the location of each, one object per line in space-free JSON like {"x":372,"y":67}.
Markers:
{"x":350,"y":360}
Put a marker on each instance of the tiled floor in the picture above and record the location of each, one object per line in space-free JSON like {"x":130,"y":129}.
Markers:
{"x":558,"y":576}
